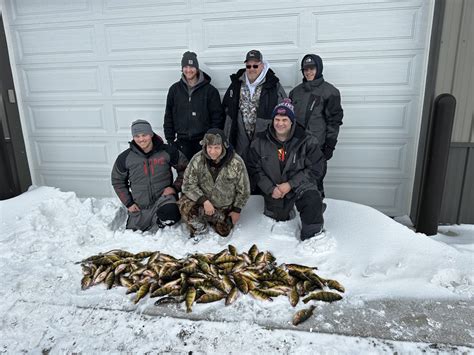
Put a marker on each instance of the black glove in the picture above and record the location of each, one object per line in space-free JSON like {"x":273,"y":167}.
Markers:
{"x":328,"y":151}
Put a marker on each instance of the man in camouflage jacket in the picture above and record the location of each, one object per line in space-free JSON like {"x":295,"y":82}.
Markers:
{"x":215,"y":188}
{"x":143,"y":180}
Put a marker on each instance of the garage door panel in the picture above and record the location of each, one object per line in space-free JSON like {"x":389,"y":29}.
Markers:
{"x":242,"y":32}
{"x":362,"y":72}
{"x":27,"y":9}
{"x":384,"y":195}
{"x":363,"y":28}
{"x":61,"y":81}
{"x":66,"y":119}
{"x":152,"y":5}
{"x":40,"y":43}
{"x":126,"y":37}
{"x":57,"y":153}
{"x":143,"y":80}
{"x":125,"y":114}
{"x":83,"y":183}
{"x":376,"y":118}
{"x":373,"y":158}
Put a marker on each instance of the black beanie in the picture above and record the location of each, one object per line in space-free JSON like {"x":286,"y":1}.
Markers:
{"x":190,"y":58}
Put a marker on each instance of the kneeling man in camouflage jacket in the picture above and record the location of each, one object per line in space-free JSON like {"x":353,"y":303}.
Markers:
{"x":143,"y":180}
{"x":216,"y":186}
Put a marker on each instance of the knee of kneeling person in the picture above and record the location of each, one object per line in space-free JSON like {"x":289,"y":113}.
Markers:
{"x":169,"y":214}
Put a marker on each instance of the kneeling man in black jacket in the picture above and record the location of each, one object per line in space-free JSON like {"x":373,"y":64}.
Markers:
{"x":287,"y":163}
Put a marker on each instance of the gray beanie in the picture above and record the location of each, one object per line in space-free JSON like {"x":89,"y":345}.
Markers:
{"x":141,"y":126}
{"x":190,"y":58}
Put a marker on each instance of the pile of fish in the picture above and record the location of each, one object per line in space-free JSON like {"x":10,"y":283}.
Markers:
{"x":204,"y":278}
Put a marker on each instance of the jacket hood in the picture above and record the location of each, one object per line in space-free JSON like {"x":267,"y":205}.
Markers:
{"x":319,"y":65}
{"x":270,"y":78}
{"x":204,"y":78}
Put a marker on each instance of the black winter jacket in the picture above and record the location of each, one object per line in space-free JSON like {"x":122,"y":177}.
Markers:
{"x":140,"y":178}
{"x":190,"y":116}
{"x":318,"y":109}
{"x":303,"y":166}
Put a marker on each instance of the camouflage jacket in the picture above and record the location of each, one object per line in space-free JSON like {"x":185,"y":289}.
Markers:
{"x":230,"y":189}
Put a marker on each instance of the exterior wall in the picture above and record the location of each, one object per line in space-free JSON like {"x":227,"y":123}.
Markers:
{"x":85,"y":69}
{"x":456,"y":76}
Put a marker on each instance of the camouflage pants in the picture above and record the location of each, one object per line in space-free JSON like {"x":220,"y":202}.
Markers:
{"x":197,"y":221}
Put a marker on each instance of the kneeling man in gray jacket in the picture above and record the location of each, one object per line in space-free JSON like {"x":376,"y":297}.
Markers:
{"x":143,"y":180}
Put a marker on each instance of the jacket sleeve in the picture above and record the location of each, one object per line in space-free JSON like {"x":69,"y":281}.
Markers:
{"x":168,"y":124}
{"x":179,"y":162}
{"x":242,"y":189}
{"x":215,"y":109}
{"x":191,"y":181}
{"x":120,"y":180}
{"x":256,"y":173}
{"x":281,"y":93}
{"x":334,"y":114}
{"x":230,"y":125}
{"x":313,"y":167}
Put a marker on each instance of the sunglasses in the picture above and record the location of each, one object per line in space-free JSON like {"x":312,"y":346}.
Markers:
{"x":255,"y":66}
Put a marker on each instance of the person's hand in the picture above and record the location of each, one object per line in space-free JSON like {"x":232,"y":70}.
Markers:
{"x":276,"y":194}
{"x":208,"y":208}
{"x":168,"y":191}
{"x":235,"y":216}
{"x":133,"y":208}
{"x":284,"y":188}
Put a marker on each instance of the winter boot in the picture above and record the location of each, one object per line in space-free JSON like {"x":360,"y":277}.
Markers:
{"x":311,"y":230}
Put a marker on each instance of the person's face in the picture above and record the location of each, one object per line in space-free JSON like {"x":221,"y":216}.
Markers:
{"x":282,"y":125}
{"x":310,"y":73}
{"x":214,"y":151}
{"x":144,"y":141}
{"x":190,"y":73}
{"x":253,"y":69}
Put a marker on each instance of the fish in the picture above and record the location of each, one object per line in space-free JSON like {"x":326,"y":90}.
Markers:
{"x":211,"y":297}
{"x":142,"y":292}
{"x":253,"y":251}
{"x":232,"y":296}
{"x":208,"y":277}
{"x":294,"y":297}
{"x":303,"y":315}
{"x":260,"y":295}
{"x":86,"y":282}
{"x":232,"y":250}
{"x":190,"y":297}
{"x":335,"y":285}
{"x":326,"y":296}
{"x":110,"y":279}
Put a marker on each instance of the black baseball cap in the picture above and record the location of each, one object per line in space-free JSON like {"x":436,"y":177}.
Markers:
{"x":253,"y":55}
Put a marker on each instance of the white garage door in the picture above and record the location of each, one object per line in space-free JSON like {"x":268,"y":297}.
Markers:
{"x":86,"y":68}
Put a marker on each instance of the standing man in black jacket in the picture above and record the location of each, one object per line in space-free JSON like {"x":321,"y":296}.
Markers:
{"x":193,"y":106}
{"x":286,"y":162}
{"x":318,"y":107}
{"x":248,"y":103}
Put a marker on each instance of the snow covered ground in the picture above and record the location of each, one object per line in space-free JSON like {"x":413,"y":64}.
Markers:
{"x":384,"y":266}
